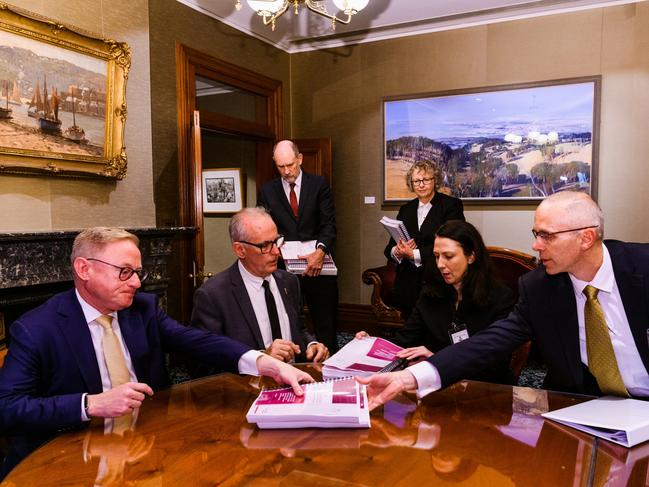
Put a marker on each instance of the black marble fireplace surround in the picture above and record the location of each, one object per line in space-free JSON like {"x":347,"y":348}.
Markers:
{"x":35,"y":266}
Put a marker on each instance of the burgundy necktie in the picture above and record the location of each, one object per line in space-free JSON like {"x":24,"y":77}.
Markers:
{"x":293,"y":199}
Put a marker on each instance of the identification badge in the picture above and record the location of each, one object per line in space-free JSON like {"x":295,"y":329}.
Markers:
{"x":457,"y":333}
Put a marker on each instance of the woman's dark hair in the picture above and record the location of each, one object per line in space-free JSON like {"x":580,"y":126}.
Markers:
{"x":479,"y":276}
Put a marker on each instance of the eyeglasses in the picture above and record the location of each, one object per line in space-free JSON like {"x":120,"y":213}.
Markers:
{"x":548,"y":236}
{"x":267,"y":246}
{"x":421,"y":182}
{"x":125,"y":273}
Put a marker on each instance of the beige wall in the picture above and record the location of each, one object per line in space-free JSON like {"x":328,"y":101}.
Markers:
{"x":338,"y":93}
{"x":44,"y":203}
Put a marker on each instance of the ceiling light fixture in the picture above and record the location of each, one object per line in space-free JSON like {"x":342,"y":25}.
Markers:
{"x":270,"y":10}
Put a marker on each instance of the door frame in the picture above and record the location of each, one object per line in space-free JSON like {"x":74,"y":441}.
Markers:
{"x":189,"y":63}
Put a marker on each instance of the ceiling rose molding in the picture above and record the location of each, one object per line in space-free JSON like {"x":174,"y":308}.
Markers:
{"x":361,"y":32}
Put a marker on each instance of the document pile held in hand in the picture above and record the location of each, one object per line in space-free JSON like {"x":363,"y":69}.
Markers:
{"x":295,"y":265}
{"x":363,"y":356}
{"x":395,"y":228}
{"x":330,"y":404}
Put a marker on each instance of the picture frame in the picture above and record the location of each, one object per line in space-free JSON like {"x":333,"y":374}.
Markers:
{"x":511,"y":144}
{"x":222,"y":191}
{"x":63,"y":99}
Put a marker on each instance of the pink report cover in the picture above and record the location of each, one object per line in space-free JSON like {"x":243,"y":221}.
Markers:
{"x":329,"y":404}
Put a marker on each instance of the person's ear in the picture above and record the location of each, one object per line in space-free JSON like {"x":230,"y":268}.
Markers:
{"x":471,"y":258}
{"x":239,"y":250}
{"x":588,"y":238}
{"x":81,"y":268}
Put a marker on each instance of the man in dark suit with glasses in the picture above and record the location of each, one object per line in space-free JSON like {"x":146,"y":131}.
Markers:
{"x":254,"y":302}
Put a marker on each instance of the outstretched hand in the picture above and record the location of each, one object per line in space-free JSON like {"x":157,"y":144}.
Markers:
{"x":283,"y":373}
{"x":382,"y":388}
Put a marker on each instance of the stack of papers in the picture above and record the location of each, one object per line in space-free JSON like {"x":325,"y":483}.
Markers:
{"x":622,"y":421}
{"x":292,"y":249}
{"x":330,"y":404}
{"x":395,"y":228}
{"x":361,"y":357}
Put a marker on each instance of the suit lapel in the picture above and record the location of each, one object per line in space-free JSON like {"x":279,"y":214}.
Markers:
{"x":563,"y":308}
{"x":73,"y":326}
{"x":305,"y":190}
{"x":240,"y":294}
{"x":632,"y":291}
{"x":410,"y":219}
{"x":281,"y":196}
{"x":134,"y":336}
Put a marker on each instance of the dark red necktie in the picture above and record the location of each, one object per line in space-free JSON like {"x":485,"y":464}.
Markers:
{"x":293,"y":199}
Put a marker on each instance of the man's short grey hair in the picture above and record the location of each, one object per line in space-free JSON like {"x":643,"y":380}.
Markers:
{"x":425,"y":166}
{"x":238,"y":229}
{"x":94,"y":239}
{"x":578,"y":210}
{"x":293,"y":145}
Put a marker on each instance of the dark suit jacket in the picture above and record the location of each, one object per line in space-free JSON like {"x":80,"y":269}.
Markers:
{"x":51,"y":359}
{"x":429,"y":323}
{"x":222,"y":305}
{"x":407,"y":284}
{"x":547,"y":312}
{"x":316,"y":218}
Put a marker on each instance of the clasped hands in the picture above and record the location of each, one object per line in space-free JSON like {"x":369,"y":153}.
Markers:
{"x":286,"y":350}
{"x":404,"y":250}
{"x":314,"y":262}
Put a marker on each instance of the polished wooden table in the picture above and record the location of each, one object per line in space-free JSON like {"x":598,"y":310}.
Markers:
{"x":195,"y":433}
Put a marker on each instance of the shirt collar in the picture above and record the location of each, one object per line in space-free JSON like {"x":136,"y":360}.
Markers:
{"x":251,"y":279}
{"x":604,"y":279}
{"x":89,"y":312}
{"x":298,"y":181}
{"x":425,"y":205}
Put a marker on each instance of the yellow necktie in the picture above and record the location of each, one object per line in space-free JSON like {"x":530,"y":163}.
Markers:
{"x":115,"y":361}
{"x":601,"y":358}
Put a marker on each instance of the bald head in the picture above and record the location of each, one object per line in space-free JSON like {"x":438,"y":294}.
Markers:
{"x":288,"y":160}
{"x":572,"y":209}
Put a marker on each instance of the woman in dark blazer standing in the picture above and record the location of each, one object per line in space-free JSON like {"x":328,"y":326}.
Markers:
{"x":422,"y":217}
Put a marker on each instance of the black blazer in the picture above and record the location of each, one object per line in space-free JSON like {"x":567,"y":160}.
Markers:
{"x":316,"y":218}
{"x":407,"y":284}
{"x":222,"y":305}
{"x":547,"y":312}
{"x":431,"y":319}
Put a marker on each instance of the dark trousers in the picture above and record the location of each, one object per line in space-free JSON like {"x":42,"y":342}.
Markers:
{"x":321,"y":296}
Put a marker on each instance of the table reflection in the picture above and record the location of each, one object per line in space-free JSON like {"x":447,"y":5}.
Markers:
{"x":472,"y":432}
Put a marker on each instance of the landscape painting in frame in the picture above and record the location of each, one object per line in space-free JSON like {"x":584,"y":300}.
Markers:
{"x":62,"y":98}
{"x":505,"y":144}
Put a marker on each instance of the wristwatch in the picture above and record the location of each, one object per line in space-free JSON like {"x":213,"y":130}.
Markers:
{"x":322,"y":246}
{"x":85,"y":405}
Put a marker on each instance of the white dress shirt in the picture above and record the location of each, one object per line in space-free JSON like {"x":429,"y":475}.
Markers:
{"x":254,"y":286}
{"x":629,"y":362}
{"x":298,"y":187}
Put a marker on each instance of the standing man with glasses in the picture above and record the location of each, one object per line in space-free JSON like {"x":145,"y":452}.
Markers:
{"x":422,"y":217}
{"x":253,"y":301}
{"x":586,"y":305}
{"x":99,"y":349}
{"x":302,"y":207}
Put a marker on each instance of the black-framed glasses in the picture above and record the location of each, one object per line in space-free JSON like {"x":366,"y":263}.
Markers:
{"x":421,"y":182}
{"x":547,"y":236}
{"x":267,"y":246}
{"x":125,"y":273}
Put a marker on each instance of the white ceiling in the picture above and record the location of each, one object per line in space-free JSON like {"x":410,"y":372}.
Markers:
{"x":383,"y":19}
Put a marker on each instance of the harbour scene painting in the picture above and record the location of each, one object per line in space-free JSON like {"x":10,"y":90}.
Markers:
{"x":501,"y":144}
{"x":52,"y":99}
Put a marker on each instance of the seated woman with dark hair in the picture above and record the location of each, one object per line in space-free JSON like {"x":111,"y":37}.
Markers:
{"x":460,"y":297}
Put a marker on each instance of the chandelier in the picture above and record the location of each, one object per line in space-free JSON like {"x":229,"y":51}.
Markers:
{"x":270,"y":10}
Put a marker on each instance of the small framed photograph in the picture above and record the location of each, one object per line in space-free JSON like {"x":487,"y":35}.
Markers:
{"x":222,"y":190}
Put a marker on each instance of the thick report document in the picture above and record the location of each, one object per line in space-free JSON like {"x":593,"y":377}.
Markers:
{"x":395,"y":228}
{"x":366,"y":356}
{"x":290,"y":251}
{"x":330,"y":404}
{"x":620,"y":420}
